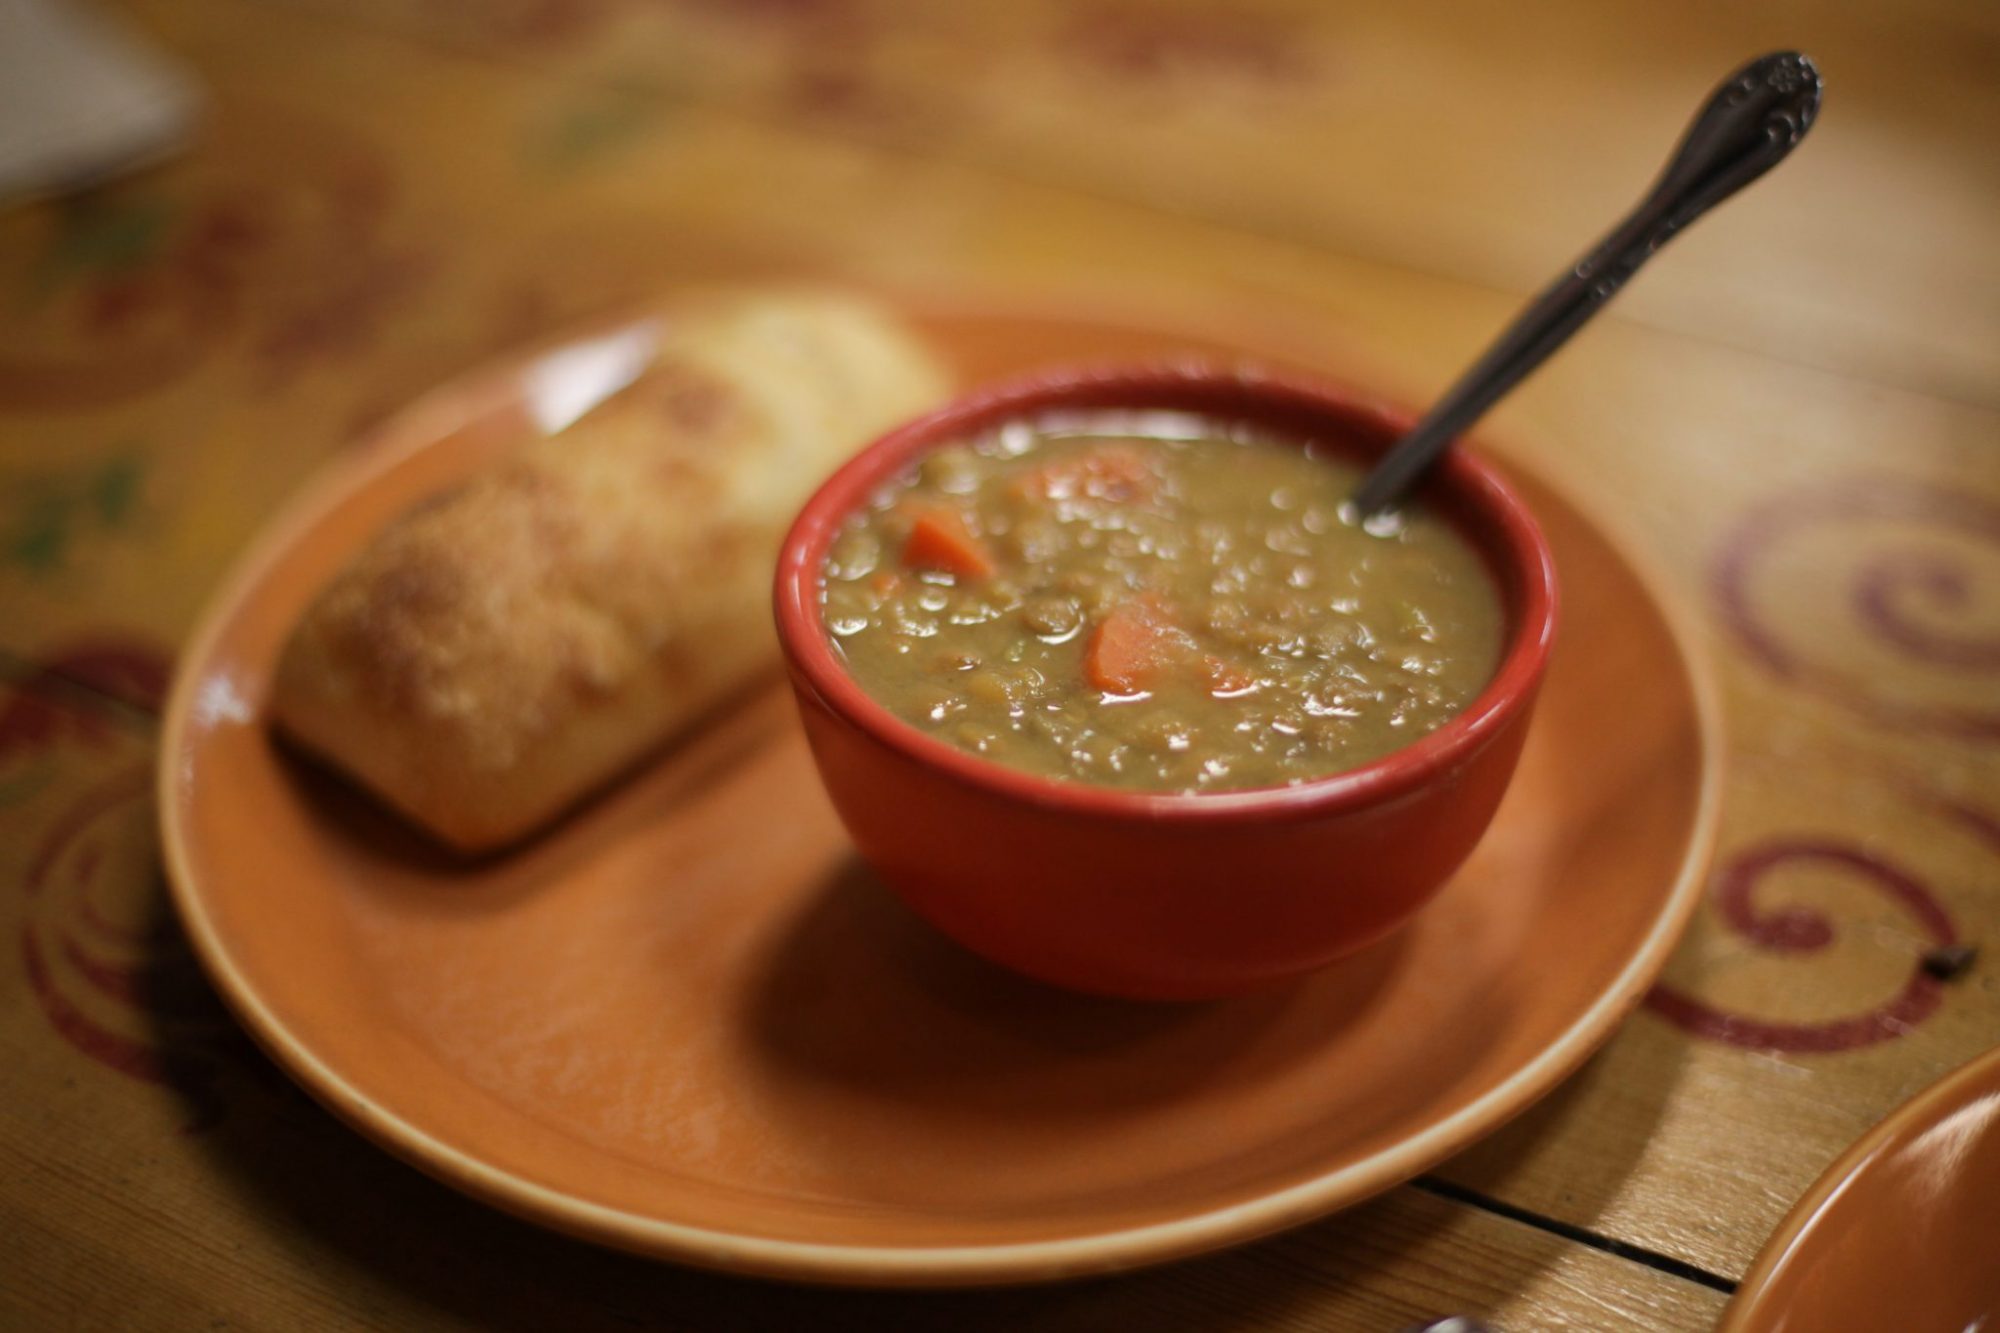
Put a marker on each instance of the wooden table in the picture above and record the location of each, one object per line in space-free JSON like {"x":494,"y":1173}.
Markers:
{"x":1795,"y":414}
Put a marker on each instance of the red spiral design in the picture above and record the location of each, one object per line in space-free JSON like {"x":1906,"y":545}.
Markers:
{"x":1142,"y":44}
{"x":1896,"y":600}
{"x":278,"y":234}
{"x":116,"y":982}
{"x":1881,"y":588}
{"x":1804,"y":930}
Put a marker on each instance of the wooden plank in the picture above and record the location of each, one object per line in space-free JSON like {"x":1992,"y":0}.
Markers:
{"x":156,"y":1172}
{"x":1452,"y":137}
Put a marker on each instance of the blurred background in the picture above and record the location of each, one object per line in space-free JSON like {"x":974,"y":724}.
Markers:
{"x":369,"y":196}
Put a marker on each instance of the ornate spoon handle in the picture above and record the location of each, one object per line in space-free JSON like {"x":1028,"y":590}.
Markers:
{"x":1751,"y":122}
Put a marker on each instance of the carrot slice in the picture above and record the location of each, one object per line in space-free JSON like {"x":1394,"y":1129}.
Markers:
{"x":1117,"y":473}
{"x":1225,"y":677}
{"x":939,"y":539}
{"x":1135,"y":645}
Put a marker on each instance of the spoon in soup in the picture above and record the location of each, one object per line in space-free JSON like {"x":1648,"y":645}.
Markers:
{"x":1750,"y":123}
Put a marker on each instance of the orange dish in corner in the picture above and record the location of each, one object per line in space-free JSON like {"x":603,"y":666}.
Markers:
{"x":1902,"y":1232}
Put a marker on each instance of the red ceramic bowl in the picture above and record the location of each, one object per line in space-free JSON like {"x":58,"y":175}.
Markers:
{"x":1152,"y":895}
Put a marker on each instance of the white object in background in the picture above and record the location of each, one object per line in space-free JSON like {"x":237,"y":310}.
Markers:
{"x":81,"y":99}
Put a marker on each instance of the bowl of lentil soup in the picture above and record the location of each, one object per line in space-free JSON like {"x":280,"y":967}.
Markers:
{"x":1106,"y":683}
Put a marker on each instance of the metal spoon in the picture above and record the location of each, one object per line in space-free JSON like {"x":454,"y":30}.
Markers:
{"x":1756,"y":117}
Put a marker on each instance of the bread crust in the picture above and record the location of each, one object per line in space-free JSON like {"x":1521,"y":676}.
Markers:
{"x":501,"y":650}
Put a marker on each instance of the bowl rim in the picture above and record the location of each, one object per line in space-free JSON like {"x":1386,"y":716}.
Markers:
{"x":1471,"y":479}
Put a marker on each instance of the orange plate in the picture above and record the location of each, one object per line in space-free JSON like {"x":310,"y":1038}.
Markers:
{"x":688,"y":1023}
{"x":1903,"y":1232}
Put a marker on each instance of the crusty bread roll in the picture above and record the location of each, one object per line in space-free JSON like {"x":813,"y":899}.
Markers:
{"x":499,"y":651}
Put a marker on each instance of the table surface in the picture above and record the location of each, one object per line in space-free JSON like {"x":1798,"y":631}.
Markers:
{"x":1795,"y":413}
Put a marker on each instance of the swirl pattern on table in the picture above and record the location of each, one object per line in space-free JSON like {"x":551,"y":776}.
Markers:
{"x":105,"y":960}
{"x":33,"y":723}
{"x":1143,"y":44}
{"x":1882,"y":594}
{"x":1803,"y":930}
{"x":277,"y":233}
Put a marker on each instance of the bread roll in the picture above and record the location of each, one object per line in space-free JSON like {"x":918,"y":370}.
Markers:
{"x":499,"y":651}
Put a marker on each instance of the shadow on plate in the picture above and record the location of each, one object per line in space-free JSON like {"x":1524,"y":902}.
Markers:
{"x":860,"y":992}
{"x":363,"y":1237}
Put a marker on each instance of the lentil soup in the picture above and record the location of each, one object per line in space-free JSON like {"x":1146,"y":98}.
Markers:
{"x":1156,"y":601}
